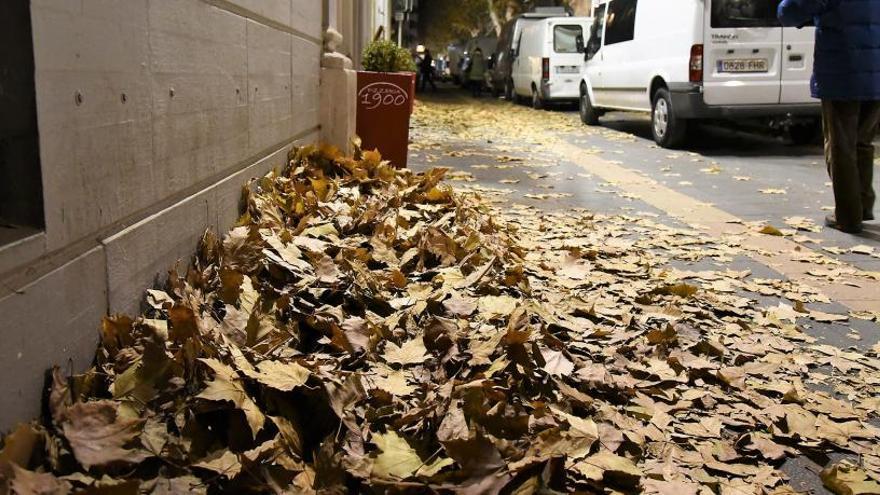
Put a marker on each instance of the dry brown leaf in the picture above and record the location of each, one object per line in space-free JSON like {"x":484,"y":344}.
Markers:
{"x":98,"y":436}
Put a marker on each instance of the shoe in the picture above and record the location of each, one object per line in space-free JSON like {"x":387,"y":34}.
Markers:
{"x":831,"y":221}
{"x":868,"y":216}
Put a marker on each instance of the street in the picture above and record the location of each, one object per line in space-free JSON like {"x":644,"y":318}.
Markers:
{"x":735,"y":212}
{"x":550,"y":160}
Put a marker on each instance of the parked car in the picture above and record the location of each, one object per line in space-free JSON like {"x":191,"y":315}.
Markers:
{"x":548,"y":59}
{"x":685,"y":60}
{"x":501,"y":62}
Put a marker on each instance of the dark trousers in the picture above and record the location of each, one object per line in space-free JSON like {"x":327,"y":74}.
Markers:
{"x":849,"y":128}
{"x":476,"y":88}
{"x":425,"y":79}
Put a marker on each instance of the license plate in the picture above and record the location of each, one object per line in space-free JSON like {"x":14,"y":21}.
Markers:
{"x":744,"y":65}
{"x":567,"y":69}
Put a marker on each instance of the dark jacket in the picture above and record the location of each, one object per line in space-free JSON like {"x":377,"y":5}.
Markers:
{"x":847,"y":65}
{"x":425,"y":65}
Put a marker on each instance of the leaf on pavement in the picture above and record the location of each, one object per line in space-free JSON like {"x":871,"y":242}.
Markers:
{"x":396,"y":459}
{"x":98,"y":436}
{"x":280,"y":376}
{"x":227,"y":387}
{"x":411,"y":352}
{"x":26,"y":482}
{"x":222,"y":462}
{"x":845,"y":478}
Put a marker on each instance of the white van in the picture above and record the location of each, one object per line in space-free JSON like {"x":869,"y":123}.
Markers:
{"x":455,"y":53}
{"x":548,"y":59}
{"x":501,"y":61}
{"x":684,"y":60}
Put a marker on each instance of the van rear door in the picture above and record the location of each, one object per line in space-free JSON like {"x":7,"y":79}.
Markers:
{"x":742,"y":52}
{"x":797,"y":64}
{"x":565,"y":59}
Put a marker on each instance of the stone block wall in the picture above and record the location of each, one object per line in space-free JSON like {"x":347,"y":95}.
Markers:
{"x":152,"y":114}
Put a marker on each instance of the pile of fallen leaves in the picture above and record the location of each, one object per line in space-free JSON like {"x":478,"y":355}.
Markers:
{"x":364,"y":329}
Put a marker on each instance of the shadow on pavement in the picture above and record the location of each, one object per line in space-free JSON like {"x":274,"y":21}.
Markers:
{"x":716,"y":138}
{"x":871,"y":232}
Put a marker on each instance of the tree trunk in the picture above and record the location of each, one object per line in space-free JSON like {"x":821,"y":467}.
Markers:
{"x":511,"y":11}
{"x":496,"y":20}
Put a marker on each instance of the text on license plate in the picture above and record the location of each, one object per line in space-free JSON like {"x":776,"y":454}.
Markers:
{"x":566,"y":69}
{"x":743,"y":65}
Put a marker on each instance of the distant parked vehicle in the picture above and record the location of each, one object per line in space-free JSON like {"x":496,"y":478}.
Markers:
{"x":455,"y":55}
{"x":501,"y":60}
{"x":685,"y":60}
{"x":441,"y":68}
{"x":548,"y":59}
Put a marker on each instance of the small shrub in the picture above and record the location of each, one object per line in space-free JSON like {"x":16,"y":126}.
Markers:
{"x":385,"y":56}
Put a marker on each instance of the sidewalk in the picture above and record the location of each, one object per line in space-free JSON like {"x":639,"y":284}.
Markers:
{"x":545,"y":170}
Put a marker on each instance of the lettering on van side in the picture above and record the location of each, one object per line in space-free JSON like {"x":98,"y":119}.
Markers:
{"x":724,"y":38}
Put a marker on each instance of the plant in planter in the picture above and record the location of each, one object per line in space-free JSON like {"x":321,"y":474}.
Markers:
{"x":385,"y":56}
{"x":386,"y":89}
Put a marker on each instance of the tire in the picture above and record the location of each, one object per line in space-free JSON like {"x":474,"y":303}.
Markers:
{"x":668,"y":130}
{"x":537,"y":102}
{"x":589,"y":114}
{"x":805,"y":133}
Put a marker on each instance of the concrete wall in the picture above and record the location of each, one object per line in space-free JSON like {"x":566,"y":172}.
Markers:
{"x":152,"y":114}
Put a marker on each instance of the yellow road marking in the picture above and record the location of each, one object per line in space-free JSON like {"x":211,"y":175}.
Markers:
{"x":856,"y":293}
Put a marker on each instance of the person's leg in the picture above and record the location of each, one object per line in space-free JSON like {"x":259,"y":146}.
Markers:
{"x":841,"y":125}
{"x":868,"y":119}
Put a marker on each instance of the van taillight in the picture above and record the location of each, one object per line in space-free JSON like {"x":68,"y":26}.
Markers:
{"x":696,"y":64}
{"x":545,"y":68}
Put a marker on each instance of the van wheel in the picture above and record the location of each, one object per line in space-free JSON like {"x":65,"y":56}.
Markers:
{"x":589,"y":114}
{"x":668,"y":130}
{"x":537,"y":102}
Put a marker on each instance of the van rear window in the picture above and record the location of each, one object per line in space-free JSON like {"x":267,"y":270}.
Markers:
{"x":565,"y":38}
{"x":744,"y":13}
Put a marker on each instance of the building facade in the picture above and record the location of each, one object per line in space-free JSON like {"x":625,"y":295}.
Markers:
{"x":146,"y":119}
{"x":359,"y":23}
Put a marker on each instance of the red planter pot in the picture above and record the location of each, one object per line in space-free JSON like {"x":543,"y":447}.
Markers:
{"x":385,"y":102}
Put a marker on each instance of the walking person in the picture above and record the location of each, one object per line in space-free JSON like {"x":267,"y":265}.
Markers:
{"x":477,"y":73}
{"x":846,"y":77}
{"x":426,"y":68}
